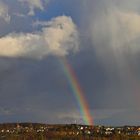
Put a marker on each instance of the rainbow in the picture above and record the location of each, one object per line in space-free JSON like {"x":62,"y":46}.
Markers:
{"x":77,"y":91}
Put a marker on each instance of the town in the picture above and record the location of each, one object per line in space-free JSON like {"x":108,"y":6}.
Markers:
{"x":36,"y":131}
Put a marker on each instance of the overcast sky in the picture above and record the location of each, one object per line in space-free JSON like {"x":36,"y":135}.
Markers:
{"x":99,"y":38}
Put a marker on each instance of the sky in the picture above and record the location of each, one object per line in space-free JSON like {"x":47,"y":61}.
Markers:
{"x":100,"y":41}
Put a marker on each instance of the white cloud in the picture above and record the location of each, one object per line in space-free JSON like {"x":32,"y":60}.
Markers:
{"x":58,"y":37}
{"x":117,"y":30}
{"x":113,"y":26}
{"x":33,"y":4}
{"x":115,"y":33}
{"x":4,"y":12}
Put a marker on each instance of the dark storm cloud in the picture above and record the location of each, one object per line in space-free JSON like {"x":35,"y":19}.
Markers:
{"x":107,"y":66}
{"x":34,"y":87}
{"x":113,"y":27}
{"x":121,"y":117}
